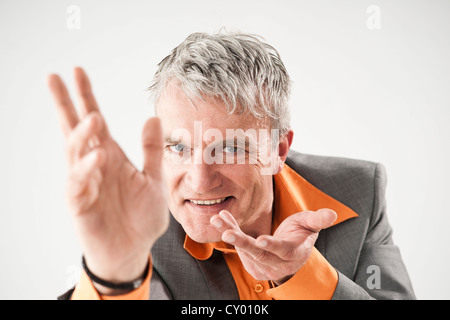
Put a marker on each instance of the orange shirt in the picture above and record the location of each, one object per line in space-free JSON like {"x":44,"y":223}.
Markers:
{"x":317,"y":279}
{"x":85,"y":290}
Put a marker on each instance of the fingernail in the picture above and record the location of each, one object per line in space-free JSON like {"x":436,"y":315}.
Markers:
{"x":230,"y":238}
{"x":223,"y":213}
{"x":262,"y":243}
{"x":217,"y":222}
{"x":92,"y":156}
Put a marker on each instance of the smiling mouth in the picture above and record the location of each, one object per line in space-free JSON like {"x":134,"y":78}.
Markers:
{"x":209,"y":202}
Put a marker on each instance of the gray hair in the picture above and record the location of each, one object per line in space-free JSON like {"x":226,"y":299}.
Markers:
{"x":246,"y":73}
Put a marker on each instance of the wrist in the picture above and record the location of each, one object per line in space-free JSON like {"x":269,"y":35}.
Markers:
{"x":119,"y":280}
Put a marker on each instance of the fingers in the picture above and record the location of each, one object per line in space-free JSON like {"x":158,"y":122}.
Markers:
{"x":226,"y":224}
{"x":231,"y":232}
{"x":84,"y":89}
{"x":245,"y":244}
{"x":285,"y":249}
{"x":85,"y":180}
{"x":280,"y":256}
{"x":297,"y":234}
{"x":153,"y":146}
{"x":90,"y":131}
{"x":316,"y":221}
{"x":66,"y":111}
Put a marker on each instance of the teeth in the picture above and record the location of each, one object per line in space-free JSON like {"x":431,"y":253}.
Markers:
{"x":207,"y":202}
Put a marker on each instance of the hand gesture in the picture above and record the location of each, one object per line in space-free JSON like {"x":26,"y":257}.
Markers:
{"x":280,"y":256}
{"x":118,"y":211}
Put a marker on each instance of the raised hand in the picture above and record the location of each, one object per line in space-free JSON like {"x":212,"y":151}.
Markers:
{"x":279,"y":256}
{"x":118,"y":211}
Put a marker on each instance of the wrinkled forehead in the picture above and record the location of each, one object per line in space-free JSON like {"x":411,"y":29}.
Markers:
{"x":177,"y":110}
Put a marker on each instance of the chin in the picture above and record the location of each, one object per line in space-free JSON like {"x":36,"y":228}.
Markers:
{"x":195,"y":222}
{"x":203,"y":234}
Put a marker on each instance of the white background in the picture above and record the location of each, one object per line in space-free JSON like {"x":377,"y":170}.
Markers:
{"x":380,"y":95}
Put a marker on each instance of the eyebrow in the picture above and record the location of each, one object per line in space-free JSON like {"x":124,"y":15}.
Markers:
{"x":171,"y":140}
{"x":239,"y":142}
{"x":227,"y":142}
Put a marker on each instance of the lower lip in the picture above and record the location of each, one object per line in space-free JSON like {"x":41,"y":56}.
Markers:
{"x":213,"y":207}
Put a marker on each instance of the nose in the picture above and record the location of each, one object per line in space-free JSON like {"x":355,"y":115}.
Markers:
{"x":203,"y":178}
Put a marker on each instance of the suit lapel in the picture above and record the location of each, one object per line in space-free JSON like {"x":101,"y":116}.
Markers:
{"x":186,"y":277}
{"x":341,"y":243}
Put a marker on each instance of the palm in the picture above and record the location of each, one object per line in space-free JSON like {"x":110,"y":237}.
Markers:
{"x":291,"y":229}
{"x":120,"y":218}
{"x":118,"y":211}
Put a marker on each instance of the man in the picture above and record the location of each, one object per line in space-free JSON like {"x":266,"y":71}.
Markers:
{"x":246,"y":211}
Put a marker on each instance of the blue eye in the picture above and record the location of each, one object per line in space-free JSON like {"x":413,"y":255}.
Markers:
{"x":234,"y":150}
{"x":231,"y":149}
{"x":177,"y":147}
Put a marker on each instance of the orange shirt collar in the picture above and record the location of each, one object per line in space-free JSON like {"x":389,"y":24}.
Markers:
{"x":292,"y":194}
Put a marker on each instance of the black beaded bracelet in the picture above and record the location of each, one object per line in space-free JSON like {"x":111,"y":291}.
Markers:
{"x":117,"y":286}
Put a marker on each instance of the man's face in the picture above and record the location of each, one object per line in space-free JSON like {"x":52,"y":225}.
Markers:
{"x":201,"y":179}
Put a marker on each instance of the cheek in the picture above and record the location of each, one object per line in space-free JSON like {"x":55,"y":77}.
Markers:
{"x":172,"y":177}
{"x":261,"y":193}
{"x":262,"y":190}
{"x":252,"y":187}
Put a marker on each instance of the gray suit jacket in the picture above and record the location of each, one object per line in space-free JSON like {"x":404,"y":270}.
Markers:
{"x":360,"y":249}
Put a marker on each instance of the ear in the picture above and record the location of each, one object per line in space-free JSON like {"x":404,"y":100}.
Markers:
{"x":283,"y":149}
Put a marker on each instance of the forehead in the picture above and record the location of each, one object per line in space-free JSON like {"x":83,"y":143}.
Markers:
{"x":176,"y":110}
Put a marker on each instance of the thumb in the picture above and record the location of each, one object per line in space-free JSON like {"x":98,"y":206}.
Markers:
{"x":153,"y":146}
{"x":321,"y":219}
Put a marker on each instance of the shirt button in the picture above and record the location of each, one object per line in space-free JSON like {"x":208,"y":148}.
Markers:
{"x":259,"y":288}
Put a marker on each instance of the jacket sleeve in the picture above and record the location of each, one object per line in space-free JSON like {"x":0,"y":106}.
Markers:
{"x":380,"y":273}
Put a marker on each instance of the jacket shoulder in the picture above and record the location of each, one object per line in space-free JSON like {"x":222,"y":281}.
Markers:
{"x":355,"y":183}
{"x":312,"y":165}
